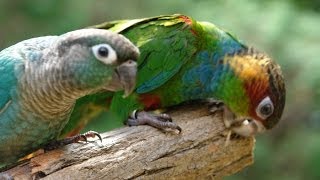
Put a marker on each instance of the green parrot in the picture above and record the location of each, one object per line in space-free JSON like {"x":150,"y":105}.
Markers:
{"x":43,"y":77}
{"x":183,"y":60}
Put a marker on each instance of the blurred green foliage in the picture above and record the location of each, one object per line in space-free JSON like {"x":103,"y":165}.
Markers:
{"x":288,"y":30}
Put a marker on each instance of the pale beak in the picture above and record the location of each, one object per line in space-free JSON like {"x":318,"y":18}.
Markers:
{"x":248,"y":127}
{"x":241,"y":125}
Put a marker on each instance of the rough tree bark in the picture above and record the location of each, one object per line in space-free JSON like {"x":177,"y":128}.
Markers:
{"x":147,"y":153}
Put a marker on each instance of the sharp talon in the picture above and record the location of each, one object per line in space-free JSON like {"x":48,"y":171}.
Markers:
{"x":92,"y":134}
{"x":73,"y":139}
{"x":134,"y":114}
{"x":179,"y":129}
{"x":83,"y":137}
{"x":97,"y":134}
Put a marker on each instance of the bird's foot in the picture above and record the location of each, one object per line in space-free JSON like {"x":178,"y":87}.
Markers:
{"x":159,"y":121}
{"x":5,"y":176}
{"x":215,"y":106}
{"x":73,"y":139}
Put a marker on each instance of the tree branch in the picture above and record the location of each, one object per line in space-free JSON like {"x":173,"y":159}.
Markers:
{"x":147,"y":153}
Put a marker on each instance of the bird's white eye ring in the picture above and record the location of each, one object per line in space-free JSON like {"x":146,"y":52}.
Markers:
{"x":265,"y":108}
{"x":104,"y":53}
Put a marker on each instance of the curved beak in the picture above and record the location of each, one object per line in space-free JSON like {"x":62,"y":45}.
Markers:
{"x":248,"y":127}
{"x":124,"y":78}
{"x":242,"y":126}
{"x":127,"y":72}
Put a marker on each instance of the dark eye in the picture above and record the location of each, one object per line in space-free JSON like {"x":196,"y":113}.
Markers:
{"x":104,"y":53}
{"x":265,"y":108}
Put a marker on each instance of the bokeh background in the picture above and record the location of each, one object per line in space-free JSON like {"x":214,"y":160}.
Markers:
{"x":288,"y":30}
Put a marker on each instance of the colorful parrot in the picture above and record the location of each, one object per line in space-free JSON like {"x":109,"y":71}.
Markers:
{"x":43,"y":77}
{"x":183,"y":59}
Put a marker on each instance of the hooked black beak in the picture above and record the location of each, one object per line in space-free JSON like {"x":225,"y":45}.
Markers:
{"x":124,"y":78}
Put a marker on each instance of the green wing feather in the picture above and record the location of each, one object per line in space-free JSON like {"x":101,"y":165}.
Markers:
{"x":163,"y":54}
{"x":86,"y":109}
{"x":159,"y":40}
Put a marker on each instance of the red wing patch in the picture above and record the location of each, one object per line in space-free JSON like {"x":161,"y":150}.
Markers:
{"x":150,"y":101}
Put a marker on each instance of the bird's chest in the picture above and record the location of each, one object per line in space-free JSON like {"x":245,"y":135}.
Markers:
{"x":22,"y":124}
{"x":23,"y":131}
